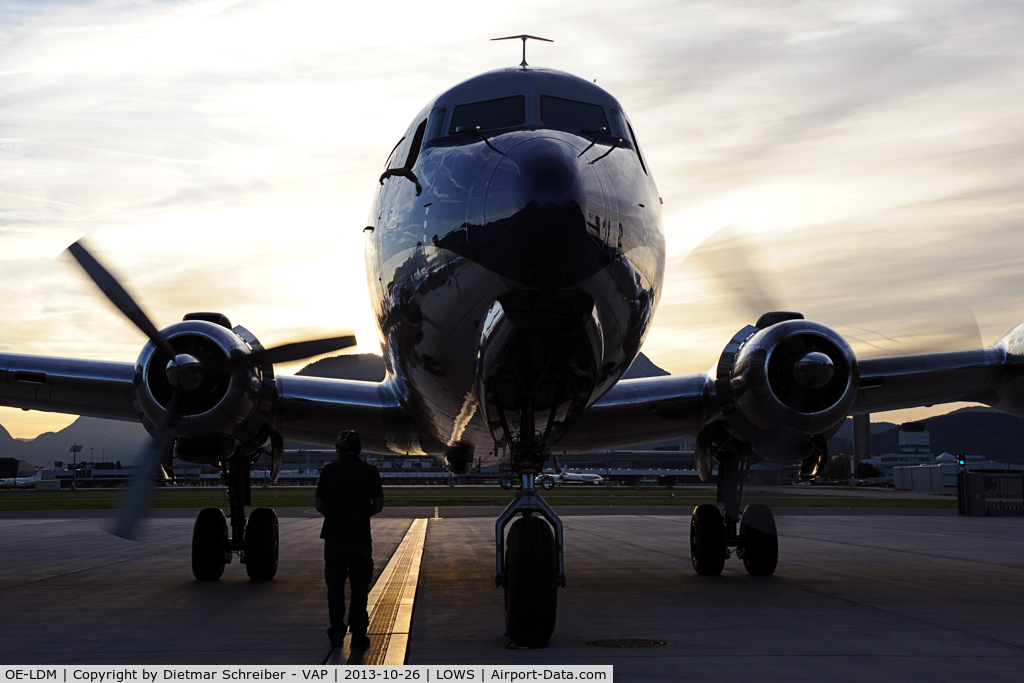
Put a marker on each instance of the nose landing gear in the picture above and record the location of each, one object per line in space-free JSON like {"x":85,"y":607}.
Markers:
{"x":530,"y":566}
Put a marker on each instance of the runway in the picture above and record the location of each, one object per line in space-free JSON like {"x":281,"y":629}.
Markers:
{"x":856,"y":597}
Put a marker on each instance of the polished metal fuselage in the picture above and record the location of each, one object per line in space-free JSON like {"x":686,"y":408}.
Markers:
{"x":529,"y":208}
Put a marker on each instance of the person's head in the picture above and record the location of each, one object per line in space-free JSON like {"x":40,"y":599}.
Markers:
{"x":348,"y":443}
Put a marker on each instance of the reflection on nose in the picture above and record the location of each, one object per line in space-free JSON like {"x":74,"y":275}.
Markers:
{"x":542,"y":171}
{"x":544,"y":208}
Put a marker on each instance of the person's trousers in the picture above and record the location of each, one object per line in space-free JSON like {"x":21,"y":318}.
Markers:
{"x":354,"y":563}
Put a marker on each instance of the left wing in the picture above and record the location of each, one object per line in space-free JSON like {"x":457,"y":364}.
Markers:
{"x":784,"y":388}
{"x":639,"y":411}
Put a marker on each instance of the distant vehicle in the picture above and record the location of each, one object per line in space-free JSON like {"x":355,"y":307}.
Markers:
{"x":21,"y":482}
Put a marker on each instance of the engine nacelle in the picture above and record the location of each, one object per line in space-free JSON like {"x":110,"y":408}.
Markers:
{"x":784,"y":384}
{"x":225,"y":408}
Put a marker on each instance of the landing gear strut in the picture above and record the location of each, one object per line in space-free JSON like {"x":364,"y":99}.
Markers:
{"x":530,"y":566}
{"x":540,"y":356}
{"x":256,"y":542}
{"x":713,"y":535}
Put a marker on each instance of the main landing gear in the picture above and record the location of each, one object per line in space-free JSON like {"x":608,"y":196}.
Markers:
{"x":255,"y":540}
{"x":530,"y":566}
{"x":714,"y":535}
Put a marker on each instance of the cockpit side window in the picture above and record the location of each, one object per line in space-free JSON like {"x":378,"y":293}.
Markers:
{"x":636,"y":144}
{"x":417,"y":142}
{"x":558,"y":112}
{"x":621,"y":128}
{"x":504,"y":112}
{"x":435,"y":124}
{"x":387,"y":164}
{"x":619,"y":124}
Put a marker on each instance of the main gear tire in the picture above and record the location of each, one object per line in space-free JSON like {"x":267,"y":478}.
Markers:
{"x":261,"y":544}
{"x":209,"y":544}
{"x":760,"y":540}
{"x":707,"y":540}
{"x":531,"y":582}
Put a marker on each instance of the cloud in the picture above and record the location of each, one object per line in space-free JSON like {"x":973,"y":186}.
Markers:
{"x":223,"y":155}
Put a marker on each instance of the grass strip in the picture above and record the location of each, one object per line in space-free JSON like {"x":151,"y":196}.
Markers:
{"x":282,"y":497}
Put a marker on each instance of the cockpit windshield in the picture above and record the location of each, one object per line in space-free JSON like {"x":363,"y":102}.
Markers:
{"x":504,"y":112}
{"x":571,"y":115}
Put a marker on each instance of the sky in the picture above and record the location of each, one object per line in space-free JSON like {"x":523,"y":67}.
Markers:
{"x":861,"y":162}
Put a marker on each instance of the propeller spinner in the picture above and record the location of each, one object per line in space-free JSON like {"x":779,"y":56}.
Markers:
{"x":185,"y":372}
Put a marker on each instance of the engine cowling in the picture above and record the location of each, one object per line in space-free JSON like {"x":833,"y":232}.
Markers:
{"x":224,"y":408}
{"x":782,"y":385}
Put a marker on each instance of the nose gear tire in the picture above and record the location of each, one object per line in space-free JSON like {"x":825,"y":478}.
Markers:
{"x":209,"y":544}
{"x":707,"y":540}
{"x":760,"y":540}
{"x":531,"y":573}
{"x":261,"y":544}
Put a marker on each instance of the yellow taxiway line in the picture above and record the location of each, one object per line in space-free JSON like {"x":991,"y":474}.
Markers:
{"x":391,"y":601}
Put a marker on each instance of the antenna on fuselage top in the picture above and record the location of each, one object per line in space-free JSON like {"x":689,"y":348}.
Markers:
{"x":524,"y":38}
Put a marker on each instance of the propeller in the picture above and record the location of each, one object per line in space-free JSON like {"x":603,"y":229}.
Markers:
{"x":184,"y":372}
{"x":113,"y":290}
{"x":125,"y":524}
{"x":285,"y":353}
{"x":731,"y":259}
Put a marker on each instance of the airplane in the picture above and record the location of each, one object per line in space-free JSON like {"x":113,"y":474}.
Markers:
{"x":515,"y":258}
{"x":21,"y":482}
{"x":568,"y":478}
{"x":564,"y":476}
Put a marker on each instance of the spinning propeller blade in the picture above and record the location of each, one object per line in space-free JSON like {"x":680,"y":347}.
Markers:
{"x":118,"y":296}
{"x":731,"y":259}
{"x":728,"y":257}
{"x":125,"y":524}
{"x":286,"y":353}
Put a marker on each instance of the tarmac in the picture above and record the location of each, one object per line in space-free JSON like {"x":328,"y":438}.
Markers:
{"x":859,"y":595}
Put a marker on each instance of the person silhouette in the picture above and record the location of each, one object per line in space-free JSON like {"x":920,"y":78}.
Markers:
{"x":348,"y":493}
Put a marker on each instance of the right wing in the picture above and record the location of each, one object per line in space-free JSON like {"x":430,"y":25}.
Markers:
{"x":309,"y":410}
{"x":313,"y":410}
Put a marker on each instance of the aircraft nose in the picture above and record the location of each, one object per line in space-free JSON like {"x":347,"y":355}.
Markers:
{"x":545,"y":214}
{"x":539,"y":170}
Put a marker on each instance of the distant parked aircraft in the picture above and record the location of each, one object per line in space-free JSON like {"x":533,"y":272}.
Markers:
{"x":21,"y":482}
{"x":564,"y":476}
